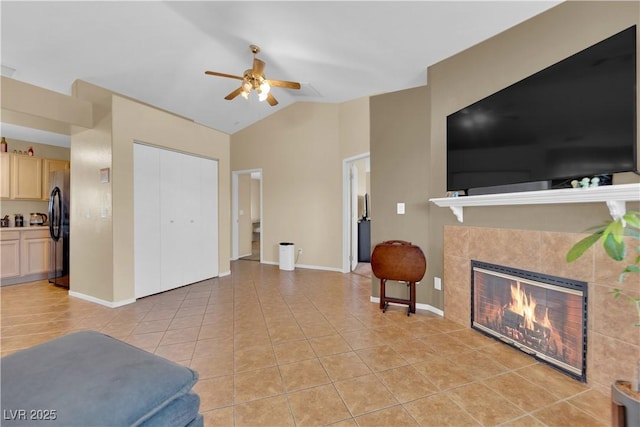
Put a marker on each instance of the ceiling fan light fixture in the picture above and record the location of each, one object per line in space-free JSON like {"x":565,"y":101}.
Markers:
{"x":263,"y":91}
{"x":254,"y":79}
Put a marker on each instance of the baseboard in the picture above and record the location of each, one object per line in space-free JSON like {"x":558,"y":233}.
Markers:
{"x":420,"y":306}
{"x":110,"y":304}
{"x":24,"y":279}
{"x":225,"y":273}
{"x":307,"y":267}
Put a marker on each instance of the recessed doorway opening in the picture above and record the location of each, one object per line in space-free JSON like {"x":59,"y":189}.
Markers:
{"x":247,"y":226}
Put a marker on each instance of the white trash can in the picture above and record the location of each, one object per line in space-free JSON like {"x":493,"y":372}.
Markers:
{"x":287,"y":256}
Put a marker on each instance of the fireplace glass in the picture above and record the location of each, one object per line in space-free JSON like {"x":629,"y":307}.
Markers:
{"x":541,"y":315}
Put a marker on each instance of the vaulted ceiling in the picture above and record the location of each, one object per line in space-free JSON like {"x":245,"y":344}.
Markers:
{"x":157,"y":52}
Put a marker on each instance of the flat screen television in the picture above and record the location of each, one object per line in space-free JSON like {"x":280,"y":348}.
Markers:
{"x":574,"y":119}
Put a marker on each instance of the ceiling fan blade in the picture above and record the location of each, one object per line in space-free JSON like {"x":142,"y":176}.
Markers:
{"x":231,"y":76}
{"x":272,"y":100}
{"x":258,"y":67}
{"x":283,"y":83}
{"x":233,"y":94}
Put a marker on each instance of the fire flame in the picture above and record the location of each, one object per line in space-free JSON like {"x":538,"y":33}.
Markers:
{"x":518,"y":321}
{"x":523,"y":305}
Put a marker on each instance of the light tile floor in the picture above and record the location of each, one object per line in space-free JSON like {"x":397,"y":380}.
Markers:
{"x":276,"y":348}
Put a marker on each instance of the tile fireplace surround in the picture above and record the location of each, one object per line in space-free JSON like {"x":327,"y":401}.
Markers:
{"x":613,"y":343}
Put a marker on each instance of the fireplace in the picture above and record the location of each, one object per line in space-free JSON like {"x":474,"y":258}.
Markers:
{"x":543,"y":316}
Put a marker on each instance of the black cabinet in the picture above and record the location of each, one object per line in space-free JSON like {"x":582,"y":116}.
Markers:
{"x":364,"y":241}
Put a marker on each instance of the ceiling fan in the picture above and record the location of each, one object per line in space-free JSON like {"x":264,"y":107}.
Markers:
{"x":254,"y":79}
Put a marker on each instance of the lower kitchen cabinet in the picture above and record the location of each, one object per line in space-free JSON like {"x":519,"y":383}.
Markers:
{"x":25,"y":253}
{"x":175,"y":219}
{"x":36,"y":245}
{"x":9,"y":254}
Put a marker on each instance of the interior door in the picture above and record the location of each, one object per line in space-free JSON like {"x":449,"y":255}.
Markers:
{"x":190,"y":218}
{"x":353,"y":176}
{"x":176,"y":219}
{"x":171,"y":216}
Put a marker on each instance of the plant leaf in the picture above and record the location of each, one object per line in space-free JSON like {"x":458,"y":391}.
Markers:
{"x":632,"y":233}
{"x":581,"y":247}
{"x":631,"y":269}
{"x":615,"y":248}
{"x":615,"y":229}
{"x":597,"y":228}
{"x":628,"y":269}
{"x":632,"y":218}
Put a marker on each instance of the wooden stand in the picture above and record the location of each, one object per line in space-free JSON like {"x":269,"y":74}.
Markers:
{"x":398,"y":260}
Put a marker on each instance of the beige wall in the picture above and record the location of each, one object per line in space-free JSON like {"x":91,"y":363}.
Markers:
{"x":300,"y":151}
{"x":91,"y":255}
{"x":105,"y":244}
{"x":255,"y":200}
{"x":453,"y":84}
{"x":353,"y":127}
{"x":363,"y":181}
{"x":31,"y":106}
{"x":494,"y":64}
{"x":400,"y":173}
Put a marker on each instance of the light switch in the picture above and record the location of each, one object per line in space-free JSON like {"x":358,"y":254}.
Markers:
{"x":241,"y":212}
{"x":400,"y":208}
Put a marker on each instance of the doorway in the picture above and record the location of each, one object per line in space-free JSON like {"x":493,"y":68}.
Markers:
{"x":356,"y":215}
{"x":247,"y":227}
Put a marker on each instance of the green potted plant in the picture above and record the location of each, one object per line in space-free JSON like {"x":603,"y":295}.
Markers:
{"x":612,"y":236}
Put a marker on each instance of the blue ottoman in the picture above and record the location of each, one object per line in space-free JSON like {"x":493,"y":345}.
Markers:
{"x":90,"y":379}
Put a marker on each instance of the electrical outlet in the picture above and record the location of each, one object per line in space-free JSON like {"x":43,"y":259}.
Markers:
{"x":400,"y":208}
{"x":437,"y":283}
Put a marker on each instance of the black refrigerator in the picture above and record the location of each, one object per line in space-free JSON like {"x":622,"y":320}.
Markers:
{"x":59,"y":226}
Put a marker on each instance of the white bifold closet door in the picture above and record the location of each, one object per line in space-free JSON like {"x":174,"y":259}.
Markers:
{"x":176,"y":219}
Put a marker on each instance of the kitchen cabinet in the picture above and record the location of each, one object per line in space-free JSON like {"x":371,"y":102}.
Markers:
{"x":26,"y":177}
{"x":175,"y":219}
{"x":48,"y":166}
{"x":9,"y":254}
{"x":5,"y":175}
{"x":35,"y":245}
{"x":26,"y":254}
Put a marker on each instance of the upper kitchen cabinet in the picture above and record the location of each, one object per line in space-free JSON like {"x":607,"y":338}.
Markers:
{"x":5,"y":175}
{"x":26,"y":177}
{"x":48,"y":166}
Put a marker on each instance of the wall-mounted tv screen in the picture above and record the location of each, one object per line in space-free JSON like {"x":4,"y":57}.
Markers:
{"x":574,"y":119}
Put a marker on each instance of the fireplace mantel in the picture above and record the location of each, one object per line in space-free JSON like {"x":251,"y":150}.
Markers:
{"x":615,"y":196}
